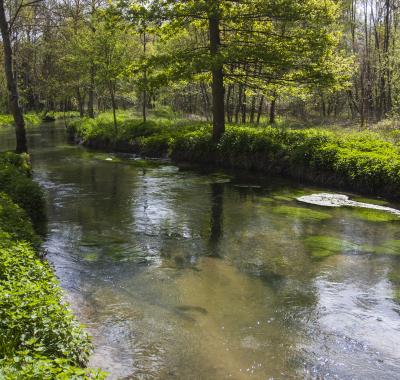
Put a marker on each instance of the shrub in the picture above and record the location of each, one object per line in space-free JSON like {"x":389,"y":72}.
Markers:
{"x":39,"y":336}
{"x":363,"y":161}
{"x":24,"y":192}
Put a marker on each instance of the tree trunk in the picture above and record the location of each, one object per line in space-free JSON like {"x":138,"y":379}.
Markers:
{"x":91,"y":93}
{"x":228,"y":104}
{"x":272,"y":111}
{"x":12,"y":89}
{"x":239,"y":103}
{"x":252,"y":109}
{"x":218,"y":91}
{"x":81,"y":100}
{"x":144,"y":105}
{"x":114,"y":106}
{"x":244,"y":107}
{"x":260,"y":108}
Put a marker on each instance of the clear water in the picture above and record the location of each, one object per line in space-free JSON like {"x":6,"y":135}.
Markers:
{"x":181,"y":274}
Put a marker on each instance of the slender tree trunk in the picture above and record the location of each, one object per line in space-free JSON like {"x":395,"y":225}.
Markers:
{"x":206,"y":100}
{"x":144,"y":105}
{"x":228,"y":104}
{"x":272,"y":111}
{"x":252,"y":109}
{"x":244,"y":107}
{"x":260,"y":108}
{"x":114,"y":106}
{"x":90,"y":109}
{"x":239,"y":103}
{"x":81,"y":101}
{"x":12,"y":89}
{"x":217,"y":86}
{"x":91,"y":93}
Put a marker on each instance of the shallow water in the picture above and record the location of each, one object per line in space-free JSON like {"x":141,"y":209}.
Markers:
{"x":180,"y":274}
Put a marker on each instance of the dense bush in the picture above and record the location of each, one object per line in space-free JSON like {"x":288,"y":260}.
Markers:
{"x":38,"y":334}
{"x":363,"y":161}
{"x":30,"y":119}
{"x":39,"y":337}
{"x":22,"y":190}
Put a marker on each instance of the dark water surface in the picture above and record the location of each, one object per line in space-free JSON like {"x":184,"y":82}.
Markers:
{"x":183,"y":275}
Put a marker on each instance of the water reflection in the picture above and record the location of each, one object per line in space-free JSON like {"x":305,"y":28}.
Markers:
{"x":216,"y":220}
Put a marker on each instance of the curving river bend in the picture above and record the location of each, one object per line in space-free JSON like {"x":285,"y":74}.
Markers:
{"x":180,"y":274}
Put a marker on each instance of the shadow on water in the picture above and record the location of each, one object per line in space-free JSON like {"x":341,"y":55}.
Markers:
{"x":216,"y":220}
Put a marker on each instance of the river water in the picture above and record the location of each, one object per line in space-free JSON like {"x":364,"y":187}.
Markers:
{"x":182,"y":274}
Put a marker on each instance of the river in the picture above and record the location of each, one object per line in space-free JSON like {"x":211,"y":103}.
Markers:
{"x":186,"y":274}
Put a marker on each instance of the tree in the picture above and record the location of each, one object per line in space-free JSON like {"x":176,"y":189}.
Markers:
{"x":114,"y":47}
{"x":11,"y":79}
{"x":254,"y":44}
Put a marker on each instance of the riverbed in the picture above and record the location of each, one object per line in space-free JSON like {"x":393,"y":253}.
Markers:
{"x":181,"y":273}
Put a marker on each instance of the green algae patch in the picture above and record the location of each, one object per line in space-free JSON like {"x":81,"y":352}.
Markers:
{"x":266,"y":200}
{"x":394,"y":278}
{"x":396,"y":296}
{"x":324,"y":246}
{"x":389,"y":247}
{"x":378,"y":202}
{"x":283,"y":198}
{"x":91,"y":257}
{"x":214,"y":178}
{"x":301,"y":213}
{"x":375,"y":215}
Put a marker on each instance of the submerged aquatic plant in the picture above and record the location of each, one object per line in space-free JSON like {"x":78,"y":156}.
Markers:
{"x":389,"y":247}
{"x":301,"y":213}
{"x":324,"y":246}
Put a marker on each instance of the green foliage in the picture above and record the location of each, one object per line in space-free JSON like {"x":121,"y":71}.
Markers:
{"x":13,"y":221}
{"x":39,"y":336}
{"x":19,"y":161}
{"x":30,"y":119}
{"x":362,"y":161}
{"x":152,"y":138}
{"x":22,"y":190}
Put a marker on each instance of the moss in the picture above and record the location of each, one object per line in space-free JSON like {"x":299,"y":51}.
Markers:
{"x":389,"y":247}
{"x":394,"y":278}
{"x":301,"y":213}
{"x":267,"y":200}
{"x":378,"y":202}
{"x":91,"y":256}
{"x":375,"y":215}
{"x":283,"y":198}
{"x":396,"y":296}
{"x":324,"y":246}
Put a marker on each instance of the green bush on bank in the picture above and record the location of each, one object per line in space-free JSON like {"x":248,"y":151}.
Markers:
{"x":152,"y":138}
{"x":30,"y":119}
{"x":362,"y":161}
{"x":22,"y":190}
{"x":39,"y":337}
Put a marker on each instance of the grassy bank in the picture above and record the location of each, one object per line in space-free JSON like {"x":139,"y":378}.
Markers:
{"x":39,"y":337}
{"x":34,"y":119}
{"x":31,"y":119}
{"x":362,"y":161}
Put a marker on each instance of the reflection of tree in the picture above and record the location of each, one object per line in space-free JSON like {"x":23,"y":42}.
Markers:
{"x":216,"y":220}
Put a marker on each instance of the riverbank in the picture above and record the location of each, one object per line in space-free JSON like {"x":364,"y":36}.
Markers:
{"x":39,"y":336}
{"x":33,"y":119}
{"x":365,"y":162}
